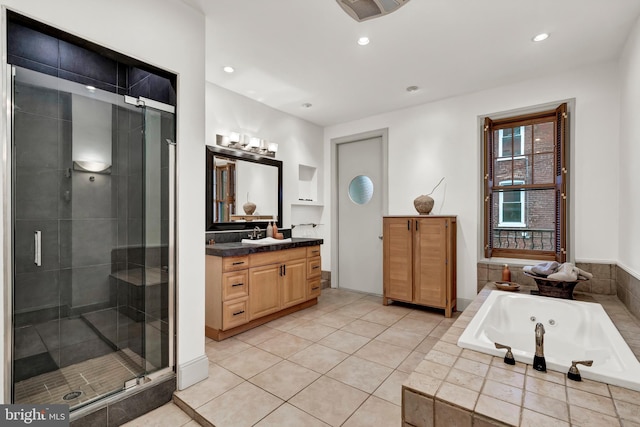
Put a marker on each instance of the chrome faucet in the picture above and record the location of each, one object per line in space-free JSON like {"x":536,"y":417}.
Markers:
{"x":539,"y":364}
{"x":255,"y":234}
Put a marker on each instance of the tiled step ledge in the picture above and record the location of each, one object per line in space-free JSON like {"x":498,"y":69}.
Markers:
{"x":462,"y":387}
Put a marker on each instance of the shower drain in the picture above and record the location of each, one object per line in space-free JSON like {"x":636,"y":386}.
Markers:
{"x":72,"y":395}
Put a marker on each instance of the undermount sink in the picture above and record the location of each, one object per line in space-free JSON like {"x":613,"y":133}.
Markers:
{"x":266,"y":241}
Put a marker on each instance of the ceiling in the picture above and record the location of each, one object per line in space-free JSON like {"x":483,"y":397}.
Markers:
{"x":287,"y":53}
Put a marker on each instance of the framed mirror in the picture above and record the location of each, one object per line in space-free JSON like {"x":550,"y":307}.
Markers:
{"x":236,"y":182}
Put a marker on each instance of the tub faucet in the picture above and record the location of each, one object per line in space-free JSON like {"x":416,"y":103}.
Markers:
{"x":539,"y":364}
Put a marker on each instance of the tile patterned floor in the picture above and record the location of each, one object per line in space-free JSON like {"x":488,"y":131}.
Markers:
{"x":339,"y":363}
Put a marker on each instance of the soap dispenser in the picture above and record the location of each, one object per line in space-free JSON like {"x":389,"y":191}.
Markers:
{"x":269,"y":230}
{"x":506,"y":273}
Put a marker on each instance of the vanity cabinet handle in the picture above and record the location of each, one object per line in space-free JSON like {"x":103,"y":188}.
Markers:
{"x":238,"y":263}
{"x":237,"y":284}
{"x":317,"y":287}
{"x":315,"y":267}
{"x":238,"y":312}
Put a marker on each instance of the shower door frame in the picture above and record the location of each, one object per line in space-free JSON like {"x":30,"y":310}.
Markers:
{"x":6,"y":174}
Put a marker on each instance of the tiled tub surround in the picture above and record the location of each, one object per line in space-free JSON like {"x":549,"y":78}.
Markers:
{"x":608,"y":279}
{"x":462,"y":387}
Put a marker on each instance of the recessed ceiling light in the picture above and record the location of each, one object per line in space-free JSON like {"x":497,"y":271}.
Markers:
{"x":306,"y":105}
{"x":363,"y":41}
{"x":228,"y":69}
{"x":412,"y":89}
{"x":540,"y":37}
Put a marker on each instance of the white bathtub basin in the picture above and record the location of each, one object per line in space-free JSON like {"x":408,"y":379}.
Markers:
{"x":266,"y":241}
{"x":575,"y":330}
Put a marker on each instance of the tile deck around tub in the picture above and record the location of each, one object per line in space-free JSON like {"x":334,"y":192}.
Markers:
{"x":451,"y":387}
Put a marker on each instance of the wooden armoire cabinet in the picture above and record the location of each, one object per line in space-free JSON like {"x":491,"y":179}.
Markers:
{"x":420,"y":260}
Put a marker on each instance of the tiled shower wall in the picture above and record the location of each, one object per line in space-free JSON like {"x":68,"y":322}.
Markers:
{"x":608,"y":279}
{"x":54,"y":53}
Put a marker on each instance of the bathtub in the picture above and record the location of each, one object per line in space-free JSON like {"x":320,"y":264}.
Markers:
{"x":574,"y":330}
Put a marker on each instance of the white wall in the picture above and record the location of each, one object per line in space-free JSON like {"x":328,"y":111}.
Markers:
{"x":299,"y":141}
{"x":629,"y":203}
{"x":169,"y":36}
{"x":443,"y":138}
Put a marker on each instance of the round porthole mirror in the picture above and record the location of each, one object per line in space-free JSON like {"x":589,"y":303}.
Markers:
{"x":361,"y":189}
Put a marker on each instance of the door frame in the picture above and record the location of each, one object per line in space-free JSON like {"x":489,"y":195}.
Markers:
{"x":382,"y":133}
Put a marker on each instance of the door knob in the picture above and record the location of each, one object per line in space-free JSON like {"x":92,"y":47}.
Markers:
{"x":380,"y":237}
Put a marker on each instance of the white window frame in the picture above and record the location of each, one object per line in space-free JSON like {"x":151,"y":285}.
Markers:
{"x":501,"y":223}
{"x":501,"y":157}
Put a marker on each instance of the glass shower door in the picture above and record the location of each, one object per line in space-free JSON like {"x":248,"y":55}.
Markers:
{"x":91,"y":194}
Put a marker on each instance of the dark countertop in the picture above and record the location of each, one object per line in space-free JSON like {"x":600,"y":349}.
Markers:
{"x":237,"y":248}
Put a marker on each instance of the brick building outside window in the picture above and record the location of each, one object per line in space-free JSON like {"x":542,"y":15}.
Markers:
{"x":525,"y":195}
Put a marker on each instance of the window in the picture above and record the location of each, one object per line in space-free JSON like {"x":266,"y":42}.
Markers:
{"x":511,"y":142}
{"x":525,"y":179}
{"x":511,"y":206}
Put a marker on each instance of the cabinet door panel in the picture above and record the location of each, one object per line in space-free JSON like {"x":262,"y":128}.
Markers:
{"x":294,"y":283}
{"x":397,"y":246}
{"x":430,"y":269}
{"x":264,"y":293}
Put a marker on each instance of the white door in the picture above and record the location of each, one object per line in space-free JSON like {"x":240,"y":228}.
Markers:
{"x":360,"y":210}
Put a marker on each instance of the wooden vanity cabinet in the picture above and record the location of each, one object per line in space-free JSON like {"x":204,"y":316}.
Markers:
{"x":419,"y":261}
{"x":246,"y":291}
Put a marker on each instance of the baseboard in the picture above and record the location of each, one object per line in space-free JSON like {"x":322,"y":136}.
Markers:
{"x":193,"y":372}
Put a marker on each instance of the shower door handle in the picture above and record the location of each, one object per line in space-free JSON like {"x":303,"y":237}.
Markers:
{"x":37,"y":257}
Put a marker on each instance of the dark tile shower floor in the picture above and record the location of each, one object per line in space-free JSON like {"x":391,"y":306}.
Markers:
{"x":75,"y":354}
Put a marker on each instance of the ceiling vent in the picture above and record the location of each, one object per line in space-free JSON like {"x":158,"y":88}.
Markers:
{"x":361,"y":10}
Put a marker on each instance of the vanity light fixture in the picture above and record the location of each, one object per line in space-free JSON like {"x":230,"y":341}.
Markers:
{"x":363,"y":41}
{"x":272,"y":147}
{"x":540,"y":37}
{"x":234,"y":137}
{"x":254,"y":142}
{"x":90,"y":88}
{"x":246,"y":143}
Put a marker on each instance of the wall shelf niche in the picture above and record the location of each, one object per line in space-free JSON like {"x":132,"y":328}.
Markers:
{"x":307,"y":186}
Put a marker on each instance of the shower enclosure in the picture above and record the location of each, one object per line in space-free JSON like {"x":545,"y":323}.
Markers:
{"x":92,"y":224}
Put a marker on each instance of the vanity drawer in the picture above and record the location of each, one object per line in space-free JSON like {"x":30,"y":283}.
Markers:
{"x":314,"y":287}
{"x":275,"y":257}
{"x":233,"y":263}
{"x":313,"y":251}
{"x":314,"y":267}
{"x":235,"y":313}
{"x":235,"y":284}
